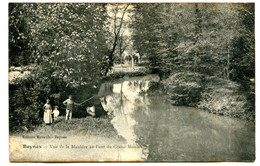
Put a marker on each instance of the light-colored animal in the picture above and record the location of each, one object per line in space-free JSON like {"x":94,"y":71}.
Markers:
{"x":91,"y":110}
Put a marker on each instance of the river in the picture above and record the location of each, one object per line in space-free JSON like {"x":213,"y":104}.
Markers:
{"x":162,"y":132}
{"x":140,"y":126}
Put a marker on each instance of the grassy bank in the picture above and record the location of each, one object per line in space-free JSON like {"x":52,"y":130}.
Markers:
{"x":119,"y":72}
{"x":211,"y":94}
{"x":77,"y":126}
{"x":226,"y":98}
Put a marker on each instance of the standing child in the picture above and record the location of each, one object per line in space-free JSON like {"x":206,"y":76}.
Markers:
{"x":47,"y":112}
{"x":56,"y":112}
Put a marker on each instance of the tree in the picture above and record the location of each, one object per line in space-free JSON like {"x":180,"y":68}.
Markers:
{"x":19,"y":40}
{"x":145,"y":25}
{"x":123,"y":45}
{"x":68,"y":44}
{"x":191,"y":37}
{"x":68,"y":40}
{"x":243,"y":56}
{"x":117,"y":15}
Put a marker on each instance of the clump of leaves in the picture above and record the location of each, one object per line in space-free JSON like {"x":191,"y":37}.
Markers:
{"x":184,"y":88}
{"x":223,"y":97}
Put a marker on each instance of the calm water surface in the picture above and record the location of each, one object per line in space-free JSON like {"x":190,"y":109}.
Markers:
{"x":155,"y":130}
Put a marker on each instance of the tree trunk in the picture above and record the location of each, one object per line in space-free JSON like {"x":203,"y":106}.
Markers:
{"x":115,"y":42}
{"x":132,"y":65}
{"x":228,"y":62}
{"x":121,"y":60}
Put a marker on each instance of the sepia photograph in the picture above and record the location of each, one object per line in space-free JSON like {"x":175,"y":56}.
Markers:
{"x":131,"y":82}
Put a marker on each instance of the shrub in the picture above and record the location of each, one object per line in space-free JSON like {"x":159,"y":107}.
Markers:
{"x":184,"y":88}
{"x":29,"y":86}
{"x":24,"y":109}
{"x":223,"y":97}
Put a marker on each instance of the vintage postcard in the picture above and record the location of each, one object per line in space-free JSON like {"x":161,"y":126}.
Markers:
{"x":131,"y":82}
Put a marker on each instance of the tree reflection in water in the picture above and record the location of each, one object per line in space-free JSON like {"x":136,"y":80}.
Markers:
{"x":129,"y":96}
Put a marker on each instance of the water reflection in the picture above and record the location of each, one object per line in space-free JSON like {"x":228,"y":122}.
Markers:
{"x":128,"y":97}
{"x":171,"y":133}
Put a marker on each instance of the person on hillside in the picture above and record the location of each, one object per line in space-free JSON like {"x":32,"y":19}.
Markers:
{"x":69,"y":107}
{"x":47,"y":112}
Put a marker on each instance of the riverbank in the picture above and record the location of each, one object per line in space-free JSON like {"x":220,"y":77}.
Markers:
{"x":141,"y":128}
{"x":119,"y":71}
{"x":76,"y":126}
{"x":142,"y":118}
{"x":214,"y":95}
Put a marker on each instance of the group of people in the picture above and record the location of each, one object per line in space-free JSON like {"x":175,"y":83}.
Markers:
{"x":50,"y":116}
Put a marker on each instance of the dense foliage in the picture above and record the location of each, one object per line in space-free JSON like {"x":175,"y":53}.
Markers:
{"x":19,"y":50}
{"x":67,"y":42}
{"x":145,"y":33}
{"x":224,"y":97}
{"x":196,"y":37}
{"x":184,"y":88}
{"x":62,"y":48}
{"x":187,"y":42}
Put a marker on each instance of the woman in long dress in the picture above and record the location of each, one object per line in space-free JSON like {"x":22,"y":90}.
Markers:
{"x":47,"y":112}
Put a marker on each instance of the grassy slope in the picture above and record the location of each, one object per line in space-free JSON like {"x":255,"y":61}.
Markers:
{"x":82,"y":131}
{"x":84,"y":126}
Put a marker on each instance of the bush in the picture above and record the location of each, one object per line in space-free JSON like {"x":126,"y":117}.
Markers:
{"x":24,"y":109}
{"x":30,"y":86}
{"x":156,"y":88}
{"x":184,"y":88}
{"x":223,"y":97}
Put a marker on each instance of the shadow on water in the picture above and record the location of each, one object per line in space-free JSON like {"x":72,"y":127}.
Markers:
{"x":162,"y":132}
